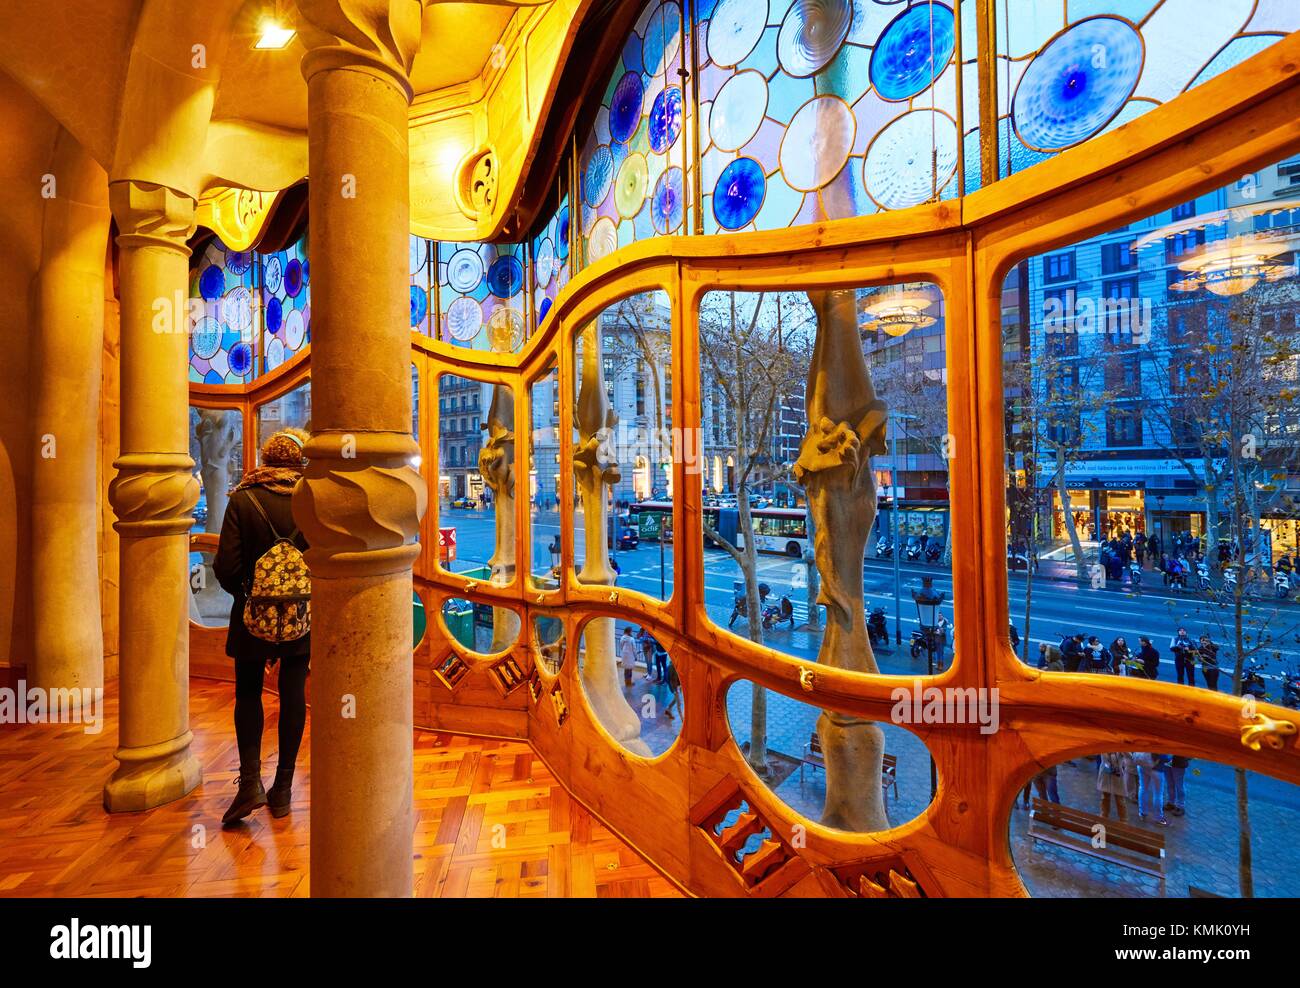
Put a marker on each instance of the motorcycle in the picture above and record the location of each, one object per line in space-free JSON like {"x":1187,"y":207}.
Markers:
{"x":778,"y":614}
{"x":877,"y":629}
{"x":1252,"y":683}
{"x":884,"y":547}
{"x":1176,"y":575}
{"x":1291,"y":690}
{"x":1281,"y":584}
{"x":933,"y":551}
{"x":1202,"y":575}
{"x":1135,"y":575}
{"x":914,"y":549}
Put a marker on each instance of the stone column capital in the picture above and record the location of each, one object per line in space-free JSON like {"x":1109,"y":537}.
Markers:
{"x":153,"y":494}
{"x":151,"y":215}
{"x":360,"y":502}
{"x":380,"y":37}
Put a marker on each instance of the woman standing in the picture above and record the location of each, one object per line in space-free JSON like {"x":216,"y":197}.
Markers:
{"x":258,"y":516}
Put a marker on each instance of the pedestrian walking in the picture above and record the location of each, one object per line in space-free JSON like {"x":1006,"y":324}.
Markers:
{"x":1175,"y":793}
{"x":674,"y":687}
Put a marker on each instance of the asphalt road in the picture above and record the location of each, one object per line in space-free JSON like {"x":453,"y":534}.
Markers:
{"x":1059,"y":607}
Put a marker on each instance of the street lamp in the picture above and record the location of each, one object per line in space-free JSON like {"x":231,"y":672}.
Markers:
{"x":927,"y":601}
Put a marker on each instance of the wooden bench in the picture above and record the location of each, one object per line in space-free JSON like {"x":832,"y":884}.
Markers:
{"x":812,"y":755}
{"x":1133,"y":847}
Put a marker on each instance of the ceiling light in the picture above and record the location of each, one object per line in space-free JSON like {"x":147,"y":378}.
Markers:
{"x":274,"y":37}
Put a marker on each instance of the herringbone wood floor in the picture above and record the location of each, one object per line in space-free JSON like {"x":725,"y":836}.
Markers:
{"x":57,"y":839}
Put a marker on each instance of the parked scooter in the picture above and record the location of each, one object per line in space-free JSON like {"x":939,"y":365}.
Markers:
{"x":877,"y":628}
{"x":933,"y":551}
{"x":1291,"y":690}
{"x":1135,"y":575}
{"x":1281,"y":584}
{"x":884,"y":547}
{"x":1252,"y":683}
{"x":1202,"y":575}
{"x":778,"y":614}
{"x":914,"y":548}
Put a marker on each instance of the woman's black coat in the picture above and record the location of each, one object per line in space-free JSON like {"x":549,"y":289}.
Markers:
{"x":245,"y":536}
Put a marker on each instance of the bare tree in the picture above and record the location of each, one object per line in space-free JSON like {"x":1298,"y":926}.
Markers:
{"x":754,"y":350}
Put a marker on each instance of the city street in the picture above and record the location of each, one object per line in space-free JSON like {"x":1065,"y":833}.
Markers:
{"x":1059,"y":607}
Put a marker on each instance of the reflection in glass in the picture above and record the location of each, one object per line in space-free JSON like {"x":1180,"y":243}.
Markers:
{"x":217,"y":449}
{"x":1152,"y":460}
{"x":209,"y":604}
{"x":291,"y":409}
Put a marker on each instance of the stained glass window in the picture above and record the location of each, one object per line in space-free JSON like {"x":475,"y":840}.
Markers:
{"x":1067,"y":72}
{"x":817,"y":109}
{"x":286,"y":298}
{"x":481,"y":295}
{"x":222,"y":315}
{"x":249,"y":312}
{"x":632,"y":169}
{"x":552,"y":263}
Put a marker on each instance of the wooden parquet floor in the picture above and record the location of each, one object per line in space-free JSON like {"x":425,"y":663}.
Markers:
{"x":471,"y":798}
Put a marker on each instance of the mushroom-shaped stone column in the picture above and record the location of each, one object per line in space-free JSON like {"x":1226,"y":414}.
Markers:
{"x":360,"y":501}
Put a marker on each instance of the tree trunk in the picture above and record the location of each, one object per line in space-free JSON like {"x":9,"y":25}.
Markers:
{"x":1245,"y":873}
{"x":1067,"y":511}
{"x":757,"y":757}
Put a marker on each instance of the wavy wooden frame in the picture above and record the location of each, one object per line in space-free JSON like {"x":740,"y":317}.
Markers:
{"x":1238,"y":122}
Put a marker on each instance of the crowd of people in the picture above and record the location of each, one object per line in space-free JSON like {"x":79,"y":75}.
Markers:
{"x":1152,"y":780}
{"x":1080,"y":653}
{"x":659,"y":667}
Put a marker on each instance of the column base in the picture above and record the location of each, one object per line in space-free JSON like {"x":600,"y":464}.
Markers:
{"x":149,"y":777}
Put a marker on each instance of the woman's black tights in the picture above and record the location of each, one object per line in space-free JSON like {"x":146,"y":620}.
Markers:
{"x":249,"y":720}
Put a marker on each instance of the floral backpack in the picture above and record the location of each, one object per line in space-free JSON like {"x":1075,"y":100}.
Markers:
{"x":277,"y":607}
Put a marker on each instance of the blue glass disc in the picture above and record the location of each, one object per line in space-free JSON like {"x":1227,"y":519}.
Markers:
{"x":506,"y":276}
{"x":238,"y":261}
{"x":668,"y":202}
{"x":738,"y":196}
{"x":599,"y":176}
{"x":293,"y":278}
{"x":912,"y":51}
{"x":625,"y":107}
{"x":1074,"y":87}
{"x":274,"y":315}
{"x":562,"y":234}
{"x":212,"y":283}
{"x":665,"y":119}
{"x":241,"y":359}
{"x":543,"y":311}
{"x":419,"y":305}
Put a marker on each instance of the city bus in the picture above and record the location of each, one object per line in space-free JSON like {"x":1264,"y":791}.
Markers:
{"x":778,"y":530}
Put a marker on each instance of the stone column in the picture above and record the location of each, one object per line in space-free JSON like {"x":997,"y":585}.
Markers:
{"x":360,"y":501}
{"x":68,"y":647}
{"x":846,"y":426}
{"x":595,"y":468}
{"x":496,"y":462}
{"x":153,"y":495}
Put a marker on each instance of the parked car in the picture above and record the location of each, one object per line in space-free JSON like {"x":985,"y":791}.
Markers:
{"x":463,"y":502}
{"x":628,"y":539}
